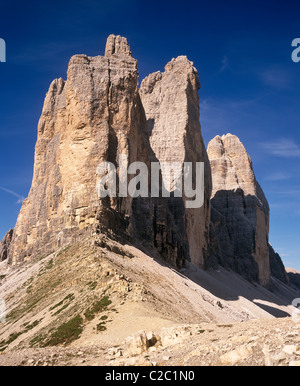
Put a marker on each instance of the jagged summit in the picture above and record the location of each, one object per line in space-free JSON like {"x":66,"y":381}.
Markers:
{"x":117,"y":45}
{"x":98,"y":114}
{"x":84,"y":121}
{"x":171,"y":104}
{"x":102,"y":268}
{"x":223,"y":137}
{"x":95,"y":116}
{"x":228,"y":150}
{"x":240,"y":213}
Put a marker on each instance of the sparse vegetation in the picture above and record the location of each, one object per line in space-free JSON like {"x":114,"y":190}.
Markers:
{"x":29,"y":289}
{"x":5,"y":343}
{"x":97,"y":308}
{"x":92,"y":285}
{"x":67,"y":299}
{"x":49,"y":265}
{"x":29,"y":327}
{"x":64,"y":250}
{"x":37,"y":340}
{"x":61,"y":309}
{"x":66,"y":333}
{"x":101,"y":326}
{"x":225,"y":325}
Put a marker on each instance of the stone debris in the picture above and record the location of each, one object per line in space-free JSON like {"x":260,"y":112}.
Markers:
{"x":254,"y":343}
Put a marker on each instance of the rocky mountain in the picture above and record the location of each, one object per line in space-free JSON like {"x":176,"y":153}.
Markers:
{"x":278,"y":269}
{"x":240,"y":214}
{"x":150,"y":280}
{"x":171,"y":104}
{"x":90,"y":118}
{"x":99,"y":115}
{"x":94,"y":117}
{"x":112,"y":304}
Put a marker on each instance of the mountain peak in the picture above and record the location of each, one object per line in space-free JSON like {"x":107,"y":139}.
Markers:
{"x":117,"y":45}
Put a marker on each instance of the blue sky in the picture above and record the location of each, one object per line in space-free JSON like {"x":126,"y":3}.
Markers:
{"x":242,"y":50}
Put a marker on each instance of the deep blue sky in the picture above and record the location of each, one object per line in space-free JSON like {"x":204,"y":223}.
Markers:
{"x":242,"y":50}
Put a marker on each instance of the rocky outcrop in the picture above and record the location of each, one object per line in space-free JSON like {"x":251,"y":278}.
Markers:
{"x":94,"y":117}
{"x":277,"y":267}
{"x":100,"y":115}
{"x":91,"y":118}
{"x":171,"y":104}
{"x":5,"y":244}
{"x":240,"y":215}
{"x":293,"y":277}
{"x":239,"y":234}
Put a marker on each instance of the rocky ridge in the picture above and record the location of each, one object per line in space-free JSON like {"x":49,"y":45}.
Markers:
{"x":95,"y":116}
{"x":110,"y":304}
{"x":99,"y":114}
{"x":141,"y":281}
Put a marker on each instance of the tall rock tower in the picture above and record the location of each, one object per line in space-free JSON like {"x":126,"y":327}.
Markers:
{"x":92,"y":117}
{"x":240,"y":211}
{"x":171,"y":104}
{"x":97,"y":116}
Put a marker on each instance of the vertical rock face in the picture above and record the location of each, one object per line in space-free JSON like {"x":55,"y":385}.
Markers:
{"x":98,"y":115}
{"x":117,"y":45}
{"x":5,"y":244}
{"x":240,"y":214}
{"x":171,"y":104}
{"x":277,"y":267}
{"x":92,"y":117}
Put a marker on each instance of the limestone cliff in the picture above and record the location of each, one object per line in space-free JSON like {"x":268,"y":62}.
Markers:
{"x":239,"y":203}
{"x":277,"y":267}
{"x":95,"y":116}
{"x":92,"y":117}
{"x":240,"y":213}
{"x":171,"y":103}
{"x":99,"y":114}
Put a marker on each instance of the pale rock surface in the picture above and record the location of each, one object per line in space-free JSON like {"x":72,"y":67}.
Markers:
{"x":171,"y":104}
{"x":117,"y":45}
{"x":137,"y":344}
{"x":240,"y":214}
{"x":93,"y":117}
{"x":233,"y":357}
